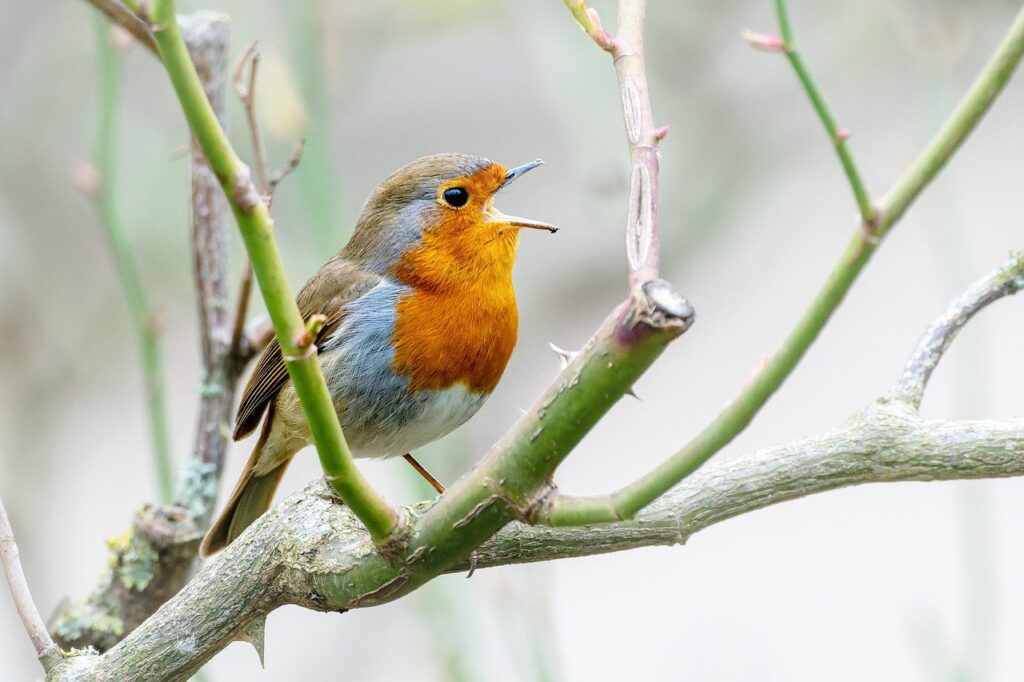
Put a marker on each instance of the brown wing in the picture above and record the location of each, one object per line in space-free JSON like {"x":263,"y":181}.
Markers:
{"x":334,"y":285}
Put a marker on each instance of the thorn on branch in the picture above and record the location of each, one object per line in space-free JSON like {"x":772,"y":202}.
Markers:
{"x":842,"y":135}
{"x":659,"y":134}
{"x":565,"y":357}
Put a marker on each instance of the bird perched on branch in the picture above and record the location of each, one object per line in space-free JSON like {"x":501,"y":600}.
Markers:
{"x":419,"y":321}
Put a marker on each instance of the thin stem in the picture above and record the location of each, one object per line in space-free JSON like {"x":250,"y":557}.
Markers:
{"x":740,"y":412}
{"x":837,"y":136}
{"x":127,"y":268}
{"x":46,"y":650}
{"x":256,"y":227}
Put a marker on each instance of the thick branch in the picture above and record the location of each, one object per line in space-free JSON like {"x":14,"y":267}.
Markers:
{"x":207,"y":37}
{"x":309,"y":550}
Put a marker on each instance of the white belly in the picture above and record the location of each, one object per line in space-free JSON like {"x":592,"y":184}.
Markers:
{"x":436,"y":414}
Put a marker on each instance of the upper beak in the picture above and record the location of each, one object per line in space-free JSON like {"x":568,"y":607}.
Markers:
{"x":514,"y":173}
{"x":494,"y":215}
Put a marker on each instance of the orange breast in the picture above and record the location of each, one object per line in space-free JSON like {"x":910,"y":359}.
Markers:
{"x":459,"y":323}
{"x":442,"y":338}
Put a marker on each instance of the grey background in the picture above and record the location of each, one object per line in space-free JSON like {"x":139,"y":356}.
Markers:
{"x":895,"y":582}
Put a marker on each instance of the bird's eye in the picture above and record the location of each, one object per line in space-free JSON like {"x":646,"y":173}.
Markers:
{"x":456,"y":197}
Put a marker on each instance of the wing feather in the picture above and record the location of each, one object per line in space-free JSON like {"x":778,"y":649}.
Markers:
{"x":338,"y":283}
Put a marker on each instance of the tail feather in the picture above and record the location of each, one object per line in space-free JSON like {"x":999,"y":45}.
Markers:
{"x":251,"y":497}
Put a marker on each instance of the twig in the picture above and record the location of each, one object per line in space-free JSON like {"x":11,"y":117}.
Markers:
{"x":740,"y":411}
{"x":143,"y":318}
{"x":1005,"y":281}
{"x":123,"y":17}
{"x":46,"y":650}
{"x":256,"y":227}
{"x":642,"y":135}
{"x":267,"y":183}
{"x":838,"y":136}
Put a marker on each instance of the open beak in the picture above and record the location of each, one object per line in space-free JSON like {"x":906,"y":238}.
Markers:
{"x":514,"y":173}
{"x":496,"y":216}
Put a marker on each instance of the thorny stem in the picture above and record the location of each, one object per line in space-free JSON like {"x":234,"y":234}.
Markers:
{"x":256,"y":228}
{"x":143,"y":319}
{"x":46,"y":649}
{"x":740,"y":412}
{"x":837,"y":136}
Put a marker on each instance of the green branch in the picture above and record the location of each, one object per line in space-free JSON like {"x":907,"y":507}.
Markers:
{"x":740,"y":412}
{"x":837,"y":136}
{"x":127,"y":268}
{"x":256,"y":227}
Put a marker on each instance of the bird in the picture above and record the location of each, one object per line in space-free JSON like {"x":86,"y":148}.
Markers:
{"x":419,"y":322}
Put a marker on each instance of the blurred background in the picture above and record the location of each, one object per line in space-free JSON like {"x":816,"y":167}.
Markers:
{"x":890,"y":582}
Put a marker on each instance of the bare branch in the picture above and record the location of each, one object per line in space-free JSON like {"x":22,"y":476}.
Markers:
{"x":1005,"y":281}
{"x":245,"y":88}
{"x":46,"y":650}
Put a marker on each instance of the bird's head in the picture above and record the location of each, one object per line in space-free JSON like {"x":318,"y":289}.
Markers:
{"x":434,"y":222}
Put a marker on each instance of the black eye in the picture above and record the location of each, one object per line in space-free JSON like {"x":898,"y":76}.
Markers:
{"x":456,"y":197}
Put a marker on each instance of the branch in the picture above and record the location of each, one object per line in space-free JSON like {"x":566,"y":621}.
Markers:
{"x":207,"y":36}
{"x":128,"y":271}
{"x":1005,"y":281}
{"x":46,"y":650}
{"x":265,"y":181}
{"x":255,"y":224}
{"x":643,"y":137}
{"x":123,"y":17}
{"x":311,"y":551}
{"x":740,"y":411}
{"x":837,"y":136}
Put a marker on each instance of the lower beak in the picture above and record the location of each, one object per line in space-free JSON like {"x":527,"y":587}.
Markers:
{"x":496,"y":216}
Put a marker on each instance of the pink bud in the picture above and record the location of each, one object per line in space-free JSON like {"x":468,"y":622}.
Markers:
{"x":85,"y":178}
{"x":763,"y":41}
{"x":843,"y":134}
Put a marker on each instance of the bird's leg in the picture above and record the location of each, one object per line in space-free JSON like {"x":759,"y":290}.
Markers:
{"x":435,"y":484}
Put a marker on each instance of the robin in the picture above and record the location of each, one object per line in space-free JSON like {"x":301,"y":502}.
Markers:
{"x":421,"y":319}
